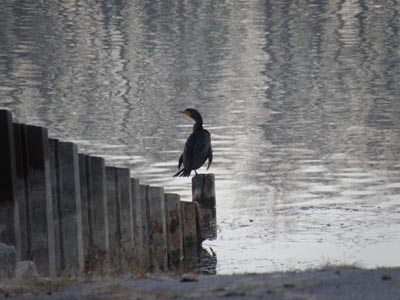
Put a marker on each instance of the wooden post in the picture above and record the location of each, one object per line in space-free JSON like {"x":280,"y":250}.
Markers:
{"x":84,"y":166}
{"x":56,"y":193}
{"x":64,"y":210}
{"x":174,"y":230}
{"x":125,"y":215}
{"x":98,"y":215}
{"x":191,"y":241}
{"x":114,"y":233}
{"x":22,"y":191}
{"x":158,"y":231}
{"x":203,"y":192}
{"x":7,"y":181}
{"x":145,"y":228}
{"x":71,"y":208}
{"x":42,"y":230}
{"x":137,"y":223}
{"x":120,"y":223}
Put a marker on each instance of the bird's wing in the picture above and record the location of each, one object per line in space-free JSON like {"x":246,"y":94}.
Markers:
{"x":196,"y":149}
{"x":180,"y":161}
{"x":188,"y":151}
{"x":210,"y":157}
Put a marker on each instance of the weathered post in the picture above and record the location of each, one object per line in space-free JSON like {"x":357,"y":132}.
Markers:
{"x":120,"y":223}
{"x":203,"y":192}
{"x":174,"y":230}
{"x":137,"y":222}
{"x":126,"y":218}
{"x":7,"y":181}
{"x":42,"y":230}
{"x":158,"y":231}
{"x":114,"y":231}
{"x":71,"y":208}
{"x":85,"y":197}
{"x":56,"y":194}
{"x":191,"y":242}
{"x":98,"y":214}
{"x":22,"y":192}
{"x":145,"y":228}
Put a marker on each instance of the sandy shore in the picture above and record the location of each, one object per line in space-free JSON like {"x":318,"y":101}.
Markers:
{"x":378,"y":284}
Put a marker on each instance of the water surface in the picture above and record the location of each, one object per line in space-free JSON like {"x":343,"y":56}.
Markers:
{"x":301,"y":99}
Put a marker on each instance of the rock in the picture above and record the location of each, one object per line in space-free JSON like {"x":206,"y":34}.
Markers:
{"x":386,"y":277}
{"x":8,"y":259}
{"x":26,"y":270}
{"x":189,"y":277}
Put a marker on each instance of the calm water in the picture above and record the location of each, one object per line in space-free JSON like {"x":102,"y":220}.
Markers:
{"x":301,"y":99}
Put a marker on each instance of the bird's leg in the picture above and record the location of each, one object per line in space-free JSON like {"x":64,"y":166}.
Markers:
{"x":195,"y":172}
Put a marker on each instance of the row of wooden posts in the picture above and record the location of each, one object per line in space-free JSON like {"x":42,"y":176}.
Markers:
{"x":71,"y":214}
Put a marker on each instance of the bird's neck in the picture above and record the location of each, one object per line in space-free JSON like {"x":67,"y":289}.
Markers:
{"x":197,"y":126}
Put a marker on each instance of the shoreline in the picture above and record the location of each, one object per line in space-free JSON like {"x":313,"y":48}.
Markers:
{"x":331,"y":283}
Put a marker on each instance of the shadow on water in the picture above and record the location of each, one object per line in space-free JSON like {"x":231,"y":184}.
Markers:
{"x":301,"y":99}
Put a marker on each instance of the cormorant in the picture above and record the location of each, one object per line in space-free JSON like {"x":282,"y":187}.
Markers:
{"x":197,"y":148}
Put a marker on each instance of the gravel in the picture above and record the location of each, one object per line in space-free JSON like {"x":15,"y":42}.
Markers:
{"x":383,"y":284}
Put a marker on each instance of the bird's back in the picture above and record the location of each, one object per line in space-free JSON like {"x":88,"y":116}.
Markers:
{"x":196,"y":149}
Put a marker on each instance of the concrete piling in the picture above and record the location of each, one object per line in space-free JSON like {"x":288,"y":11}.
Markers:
{"x":174,"y":230}
{"x":203,"y":192}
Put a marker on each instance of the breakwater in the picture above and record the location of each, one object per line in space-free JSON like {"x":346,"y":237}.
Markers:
{"x":71,"y":214}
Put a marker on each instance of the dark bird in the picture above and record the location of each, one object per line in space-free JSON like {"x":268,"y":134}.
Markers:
{"x":197,"y":148}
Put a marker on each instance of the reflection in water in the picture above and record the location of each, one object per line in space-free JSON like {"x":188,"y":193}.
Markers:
{"x":300,"y":99}
{"x":208,"y":261}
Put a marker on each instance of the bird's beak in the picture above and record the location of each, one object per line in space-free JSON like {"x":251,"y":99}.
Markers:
{"x":184,"y":112}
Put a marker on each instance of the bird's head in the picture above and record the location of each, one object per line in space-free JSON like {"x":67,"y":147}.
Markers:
{"x":194,"y":114}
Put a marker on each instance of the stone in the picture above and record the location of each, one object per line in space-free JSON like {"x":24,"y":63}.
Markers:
{"x":26,"y":269}
{"x":8,"y":259}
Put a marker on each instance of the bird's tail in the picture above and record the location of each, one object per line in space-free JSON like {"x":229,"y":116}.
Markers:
{"x":183,"y":173}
